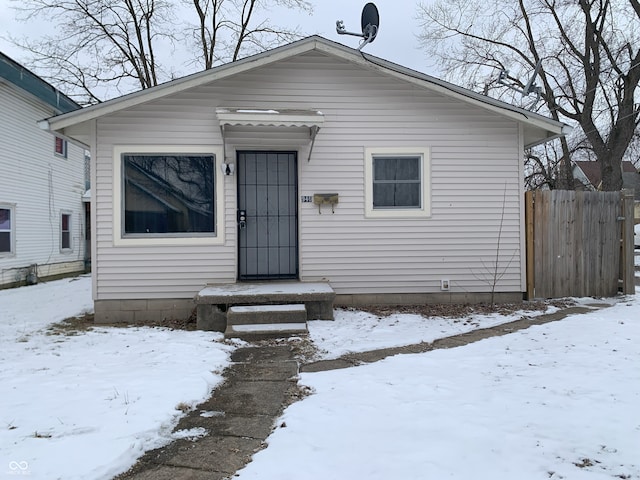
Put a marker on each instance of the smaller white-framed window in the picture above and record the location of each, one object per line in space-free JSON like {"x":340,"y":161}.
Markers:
{"x":60,"y":147}
{"x":7,"y":229}
{"x":66,"y":239}
{"x":397,"y":182}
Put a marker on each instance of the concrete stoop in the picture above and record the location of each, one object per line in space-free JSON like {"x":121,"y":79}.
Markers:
{"x":255,"y":311}
{"x":257,"y":322}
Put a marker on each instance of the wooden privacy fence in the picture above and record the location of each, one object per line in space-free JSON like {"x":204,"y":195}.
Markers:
{"x":579,"y":243}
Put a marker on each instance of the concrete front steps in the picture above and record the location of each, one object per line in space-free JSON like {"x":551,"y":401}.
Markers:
{"x":257,"y":322}
{"x":253,"y":311}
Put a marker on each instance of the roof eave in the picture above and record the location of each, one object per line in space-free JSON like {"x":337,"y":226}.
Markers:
{"x":178,"y":85}
{"x":549,"y":129}
{"x":31,"y":84}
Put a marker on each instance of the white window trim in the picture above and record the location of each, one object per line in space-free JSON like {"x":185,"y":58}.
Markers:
{"x":425,"y":172}
{"x":118,"y":239}
{"x":12,"y":233}
{"x":70,"y":248}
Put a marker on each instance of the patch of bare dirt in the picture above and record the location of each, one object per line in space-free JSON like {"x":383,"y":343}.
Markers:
{"x":72,"y":326}
{"x":462,"y":311}
{"x":175,"y":324}
{"x":85,"y":323}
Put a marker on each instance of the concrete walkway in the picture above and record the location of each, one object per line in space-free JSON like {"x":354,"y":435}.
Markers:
{"x":239,"y":416}
{"x":258,"y":386}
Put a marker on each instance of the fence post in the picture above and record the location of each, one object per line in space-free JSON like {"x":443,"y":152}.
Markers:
{"x":528,"y":235}
{"x":627,"y":256}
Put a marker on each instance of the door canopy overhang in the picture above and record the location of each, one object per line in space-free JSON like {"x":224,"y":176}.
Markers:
{"x":281,"y":118}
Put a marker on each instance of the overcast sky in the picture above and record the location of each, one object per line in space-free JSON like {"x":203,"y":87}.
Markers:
{"x":396,"y":39}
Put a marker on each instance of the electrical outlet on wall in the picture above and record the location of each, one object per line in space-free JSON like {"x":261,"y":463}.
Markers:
{"x":444,"y":285}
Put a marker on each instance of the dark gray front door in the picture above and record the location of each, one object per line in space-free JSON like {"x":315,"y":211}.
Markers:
{"x":267,"y":193}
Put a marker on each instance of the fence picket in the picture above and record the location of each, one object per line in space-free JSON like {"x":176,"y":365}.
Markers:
{"x":576,"y":243}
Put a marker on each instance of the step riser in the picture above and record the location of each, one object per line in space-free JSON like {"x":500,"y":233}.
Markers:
{"x":266,"y":316}
{"x":270,"y":331}
{"x":256,"y":336}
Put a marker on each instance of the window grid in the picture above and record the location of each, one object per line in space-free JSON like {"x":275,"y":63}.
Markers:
{"x":396,"y":181}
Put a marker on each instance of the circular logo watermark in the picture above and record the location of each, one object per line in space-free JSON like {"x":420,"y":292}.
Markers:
{"x":18,"y":468}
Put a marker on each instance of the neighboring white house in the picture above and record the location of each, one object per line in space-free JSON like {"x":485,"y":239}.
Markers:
{"x":42,"y":216}
{"x":312,"y":161}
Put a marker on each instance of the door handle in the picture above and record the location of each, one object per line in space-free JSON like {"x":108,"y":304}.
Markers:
{"x":242,"y":219}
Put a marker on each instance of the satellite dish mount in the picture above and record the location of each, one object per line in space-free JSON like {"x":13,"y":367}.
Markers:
{"x":370,"y":23}
{"x":528,"y":89}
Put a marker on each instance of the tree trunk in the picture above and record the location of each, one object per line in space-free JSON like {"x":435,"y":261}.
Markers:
{"x":565,"y":173}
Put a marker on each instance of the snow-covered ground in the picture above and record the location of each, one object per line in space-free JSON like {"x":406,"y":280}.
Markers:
{"x":87,"y":406}
{"x":528,"y":405}
{"x":357,"y":331}
{"x":555,"y":401}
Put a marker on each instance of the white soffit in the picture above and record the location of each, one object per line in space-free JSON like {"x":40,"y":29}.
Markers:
{"x":243,"y":117}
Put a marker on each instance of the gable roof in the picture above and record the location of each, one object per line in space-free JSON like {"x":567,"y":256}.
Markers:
{"x":27,"y":81}
{"x":591,"y":170}
{"x":537,"y":128}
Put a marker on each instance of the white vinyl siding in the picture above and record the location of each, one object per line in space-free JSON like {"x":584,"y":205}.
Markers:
{"x":40,"y":185}
{"x":474,"y":167}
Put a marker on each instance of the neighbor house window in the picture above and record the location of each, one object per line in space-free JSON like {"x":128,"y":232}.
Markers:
{"x":65,"y":231}
{"x":168,"y":194}
{"x":397,"y":182}
{"x":60,"y":147}
{"x":7,"y":226}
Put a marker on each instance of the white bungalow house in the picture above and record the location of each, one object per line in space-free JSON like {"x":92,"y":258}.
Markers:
{"x":310,"y":162}
{"x":42,"y":215}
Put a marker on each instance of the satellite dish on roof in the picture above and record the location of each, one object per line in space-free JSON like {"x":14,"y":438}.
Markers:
{"x":370,"y":23}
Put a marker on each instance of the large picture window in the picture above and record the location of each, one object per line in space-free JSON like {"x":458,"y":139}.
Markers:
{"x":6,"y":229}
{"x":168,"y":194}
{"x":397,"y":182}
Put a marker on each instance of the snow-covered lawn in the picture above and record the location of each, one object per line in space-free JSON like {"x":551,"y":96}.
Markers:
{"x":86,"y":406}
{"x":357,"y":331}
{"x":528,"y":405}
{"x":557,"y":401}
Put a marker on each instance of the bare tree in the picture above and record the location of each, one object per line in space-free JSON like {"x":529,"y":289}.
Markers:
{"x":542,"y":167}
{"x":589,"y":51}
{"x":230,"y":29}
{"x":104,"y":48}
{"x":98,"y":43}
